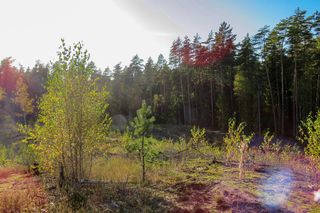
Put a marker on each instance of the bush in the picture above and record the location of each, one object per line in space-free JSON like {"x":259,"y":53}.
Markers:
{"x":309,"y":132}
{"x":26,"y":155}
{"x":237,"y":142}
{"x":3,"y":155}
{"x":234,"y":139}
{"x":268,"y":145}
{"x":151,"y":148}
{"x":198,"y":137}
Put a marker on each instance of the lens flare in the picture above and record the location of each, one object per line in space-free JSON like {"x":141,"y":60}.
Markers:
{"x":276,"y":188}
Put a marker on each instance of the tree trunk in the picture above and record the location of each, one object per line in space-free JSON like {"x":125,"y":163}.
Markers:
{"x":259,"y":114}
{"x":25,"y":119}
{"x":294,"y":101}
{"x":282,"y":95}
{"x":183,"y":106}
{"x":272,"y":101}
{"x":212,"y":107}
{"x":189,"y":100}
{"x":61,"y":175}
{"x":143,"y":161}
{"x":317,"y":91}
{"x":278,"y":100}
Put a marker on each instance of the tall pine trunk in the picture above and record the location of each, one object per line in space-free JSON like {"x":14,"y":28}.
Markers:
{"x":259,"y":113}
{"x":278,"y":100}
{"x":282,"y":95}
{"x":212,"y":107}
{"x":143,"y":168}
{"x":183,"y":106}
{"x":295,"y":98}
{"x":317,"y":91}
{"x":189,"y":100}
{"x":272,"y":100}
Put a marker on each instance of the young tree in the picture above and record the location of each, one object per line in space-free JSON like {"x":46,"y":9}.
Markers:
{"x":141,"y":125}
{"x":22,"y":99}
{"x":72,"y":123}
{"x":237,"y":143}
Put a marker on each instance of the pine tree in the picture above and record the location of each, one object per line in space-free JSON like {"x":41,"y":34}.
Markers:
{"x":142,"y":125}
{"x":223,"y":53}
{"x":299,"y":39}
{"x":247,"y":83}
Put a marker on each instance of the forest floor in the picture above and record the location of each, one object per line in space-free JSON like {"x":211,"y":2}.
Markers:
{"x":265,"y":189}
{"x":200,"y":187}
{"x":187,"y":180}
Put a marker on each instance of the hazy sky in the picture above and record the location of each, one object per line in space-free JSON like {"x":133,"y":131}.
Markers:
{"x":116,"y":30}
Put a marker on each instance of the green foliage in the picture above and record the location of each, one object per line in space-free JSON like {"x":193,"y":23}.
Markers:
{"x":72,"y":123}
{"x":141,"y":126}
{"x":309,"y":132}
{"x":241,"y":84}
{"x":26,"y":155}
{"x":267,"y":139}
{"x":235,"y":138}
{"x":3,"y":155}
{"x":268,"y":144}
{"x":143,"y":122}
{"x":152,"y":152}
{"x":198,"y":137}
{"x":237,"y":143}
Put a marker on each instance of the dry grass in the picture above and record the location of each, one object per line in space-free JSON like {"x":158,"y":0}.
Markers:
{"x":116,"y":169}
{"x":20,"y":192}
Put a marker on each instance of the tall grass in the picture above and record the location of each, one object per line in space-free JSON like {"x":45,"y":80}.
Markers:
{"x":116,"y":169}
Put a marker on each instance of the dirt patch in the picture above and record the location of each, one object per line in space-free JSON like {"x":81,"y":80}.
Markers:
{"x":235,"y":200}
{"x":193,"y":197}
{"x":203,"y":198}
{"x":269,"y":189}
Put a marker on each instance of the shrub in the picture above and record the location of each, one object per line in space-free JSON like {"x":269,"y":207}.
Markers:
{"x":198,"y":137}
{"x":72,"y":123}
{"x":268,"y":144}
{"x":26,"y":155}
{"x":152,"y":150}
{"x":309,"y":132}
{"x":3,"y":155}
{"x":237,"y":143}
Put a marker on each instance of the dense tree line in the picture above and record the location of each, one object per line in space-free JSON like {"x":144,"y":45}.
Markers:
{"x":269,"y":80}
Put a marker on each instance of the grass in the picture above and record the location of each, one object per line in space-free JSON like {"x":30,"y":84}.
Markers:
{"x":116,"y":169}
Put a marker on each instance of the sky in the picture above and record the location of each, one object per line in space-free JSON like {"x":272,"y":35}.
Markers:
{"x":115,"y":30}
